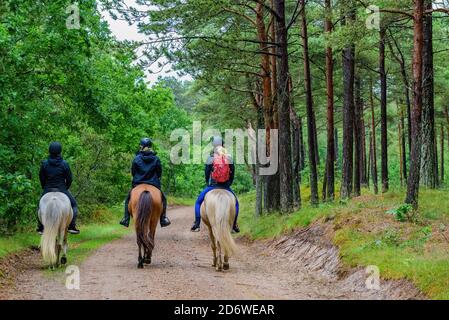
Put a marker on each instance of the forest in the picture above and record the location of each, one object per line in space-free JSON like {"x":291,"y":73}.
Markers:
{"x":356,"y":90}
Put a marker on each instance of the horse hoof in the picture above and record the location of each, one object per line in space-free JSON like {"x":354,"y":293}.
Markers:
{"x":63,"y":260}
{"x":219,"y":269}
{"x":147,"y":261}
{"x":226,"y":266}
{"x":140,"y":265}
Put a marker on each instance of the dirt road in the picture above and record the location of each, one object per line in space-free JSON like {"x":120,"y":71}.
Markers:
{"x":181,"y":269}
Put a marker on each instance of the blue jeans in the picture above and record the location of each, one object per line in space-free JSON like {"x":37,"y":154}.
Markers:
{"x":200,"y":200}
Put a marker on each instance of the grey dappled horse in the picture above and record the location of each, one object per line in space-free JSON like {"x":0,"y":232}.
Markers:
{"x":55,"y":213}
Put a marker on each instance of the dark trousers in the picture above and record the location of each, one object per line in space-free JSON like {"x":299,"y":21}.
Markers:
{"x":164,"y":205}
{"x":72,"y":203}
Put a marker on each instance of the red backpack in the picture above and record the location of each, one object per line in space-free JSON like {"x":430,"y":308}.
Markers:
{"x":221,"y":171}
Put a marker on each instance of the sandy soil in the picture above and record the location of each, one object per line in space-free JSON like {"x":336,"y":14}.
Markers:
{"x":181,"y":269}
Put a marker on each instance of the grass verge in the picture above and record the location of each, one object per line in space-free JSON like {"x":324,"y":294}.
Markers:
{"x":92,"y":236}
{"x":367,"y":235}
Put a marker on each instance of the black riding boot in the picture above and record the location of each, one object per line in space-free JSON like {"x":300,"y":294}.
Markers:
{"x":40,"y":227}
{"x":126,"y":218}
{"x":72,"y":226}
{"x":164,"y":220}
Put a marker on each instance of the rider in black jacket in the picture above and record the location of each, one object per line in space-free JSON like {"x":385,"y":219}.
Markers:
{"x":55,"y":176}
{"x":146,"y":169}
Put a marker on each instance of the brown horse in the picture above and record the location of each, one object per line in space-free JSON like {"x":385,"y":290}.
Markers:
{"x":218,"y":213}
{"x":145,"y":207}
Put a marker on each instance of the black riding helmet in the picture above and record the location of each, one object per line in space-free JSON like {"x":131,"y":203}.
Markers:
{"x":146,"y":142}
{"x":55,"y":148}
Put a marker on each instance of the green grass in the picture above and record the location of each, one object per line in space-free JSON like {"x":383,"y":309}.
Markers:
{"x":367,"y":235}
{"x":92,"y":236}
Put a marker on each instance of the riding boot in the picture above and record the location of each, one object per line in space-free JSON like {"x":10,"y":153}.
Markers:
{"x":196,"y":225}
{"x":126,"y":218}
{"x":40,"y":227}
{"x":164,"y":220}
{"x":72,"y":226}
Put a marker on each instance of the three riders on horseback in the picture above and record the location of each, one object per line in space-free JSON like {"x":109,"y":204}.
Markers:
{"x":55,"y":175}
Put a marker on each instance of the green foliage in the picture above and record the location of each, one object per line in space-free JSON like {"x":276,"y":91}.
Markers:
{"x":79,"y":87}
{"x":403,"y":213}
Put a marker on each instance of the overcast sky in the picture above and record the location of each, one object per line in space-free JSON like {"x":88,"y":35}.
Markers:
{"x":123,"y":31}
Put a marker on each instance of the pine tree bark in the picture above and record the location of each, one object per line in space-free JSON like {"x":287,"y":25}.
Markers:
{"x":442,"y":154}
{"x":283,"y":99}
{"x":348,"y":114}
{"x":373,"y":142}
{"x":272,"y":182}
{"x":329,"y":178}
{"x":404,"y":155}
{"x":358,"y":157}
{"x":415,"y":154}
{"x":311,"y":124}
{"x":428,"y":174}
{"x":383,"y":111}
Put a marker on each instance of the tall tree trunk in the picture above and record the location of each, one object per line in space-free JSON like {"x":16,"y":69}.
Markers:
{"x":428,"y":176}
{"x":272,"y":202}
{"x":415,"y":155}
{"x":442,"y":154}
{"x":373,"y":168}
{"x":401,"y":162}
{"x":383,"y":111}
{"x":437,"y":182}
{"x":329,"y":191}
{"x":404,"y":155}
{"x":311,"y":125}
{"x":373,"y":142}
{"x":296,"y":145}
{"x":348,"y":113}
{"x":358,"y":160}
{"x":260,"y":181}
{"x":302,"y":163}
{"x":283,"y":99}
{"x":364,"y":178}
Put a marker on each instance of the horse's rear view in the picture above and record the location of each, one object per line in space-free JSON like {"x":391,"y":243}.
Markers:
{"x":218,"y":213}
{"x":55,"y":213}
{"x":145,"y":207}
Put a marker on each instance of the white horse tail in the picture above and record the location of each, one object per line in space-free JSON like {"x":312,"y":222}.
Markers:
{"x":52,"y":221}
{"x":224,"y":207}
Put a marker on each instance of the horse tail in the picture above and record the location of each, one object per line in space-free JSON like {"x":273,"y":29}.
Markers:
{"x":223,"y":210}
{"x":52,"y":220}
{"x":143,"y":221}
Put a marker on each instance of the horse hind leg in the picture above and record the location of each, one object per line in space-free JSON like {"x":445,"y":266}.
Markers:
{"x":64,"y":250}
{"x":147,"y":257}
{"x":140,"y":259}
{"x":226,"y":262}
{"x":148,"y":253}
{"x":219,"y":266}
{"x":213,"y":245}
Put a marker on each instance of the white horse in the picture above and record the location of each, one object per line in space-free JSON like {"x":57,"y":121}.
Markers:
{"x":218,"y":213}
{"x":55,"y":213}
